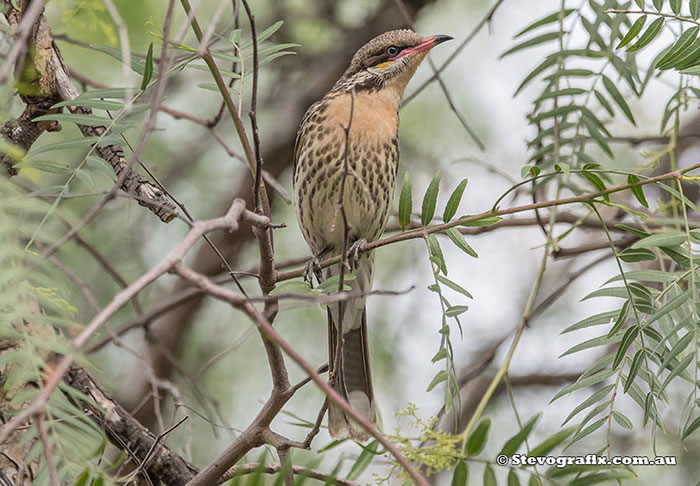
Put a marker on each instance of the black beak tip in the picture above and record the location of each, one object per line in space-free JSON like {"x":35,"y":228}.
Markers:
{"x":439,"y":39}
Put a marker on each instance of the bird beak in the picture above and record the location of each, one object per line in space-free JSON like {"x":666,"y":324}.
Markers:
{"x":426,"y":44}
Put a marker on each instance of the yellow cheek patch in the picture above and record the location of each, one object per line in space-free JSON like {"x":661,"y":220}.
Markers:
{"x":384,"y":64}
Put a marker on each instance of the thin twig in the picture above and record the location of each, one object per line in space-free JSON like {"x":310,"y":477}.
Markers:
{"x":48,"y":449}
{"x":251,"y":468}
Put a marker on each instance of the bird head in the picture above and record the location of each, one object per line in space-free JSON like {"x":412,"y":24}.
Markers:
{"x":389,"y":59}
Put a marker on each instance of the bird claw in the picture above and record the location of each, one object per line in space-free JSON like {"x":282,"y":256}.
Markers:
{"x":312,"y":267}
{"x":356,"y":249}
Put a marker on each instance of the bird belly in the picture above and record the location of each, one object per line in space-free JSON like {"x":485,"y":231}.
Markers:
{"x":368,"y":191}
{"x":371,"y":160}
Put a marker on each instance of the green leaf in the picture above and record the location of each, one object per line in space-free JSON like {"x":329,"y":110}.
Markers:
{"x":648,"y":35}
{"x":634,"y":255}
{"x":477,"y":439}
{"x":436,"y":253}
{"x":454,"y":286}
{"x":562,"y":92}
{"x":545,"y":20}
{"x":513,"y":479}
{"x":669,"y":306}
{"x":489,"y":476}
{"x":695,"y":424}
{"x":603,"y":102}
{"x":546,"y":446}
{"x":148,"y":68}
{"x":632,"y":33}
{"x":680,"y":346}
{"x":658,"y":4}
{"x":430,"y":199}
{"x":668,"y":238}
{"x":461,"y":474}
{"x":453,"y":202}
{"x":591,"y":343}
{"x":594,"y":320}
{"x":695,"y":9}
{"x":293,"y":287}
{"x":591,"y":380}
{"x":547,"y":63}
{"x":48,"y":166}
{"x":117,"y":93}
{"x":595,"y":398}
{"x":531,"y":170}
{"x":672,"y":55}
{"x":627,"y":340}
{"x":635,"y":231}
{"x":622,"y":420}
{"x":637,"y":190}
{"x":618,"y":98}
{"x":75,"y":143}
{"x":514,"y":443}
{"x":675,"y":6}
{"x":588,"y":430}
{"x":87,"y":120}
{"x":534,"y":480}
{"x":137,"y":64}
{"x":456,"y":310}
{"x":405,"y":202}
{"x":331,"y":284}
{"x":634,"y":369}
{"x":620,"y":319}
{"x":677,"y":370}
{"x":535,"y":41}
{"x":437,"y":379}
{"x":596,"y":181}
{"x":461,"y":243}
{"x":264,"y":35}
{"x":440,"y":355}
{"x":485,"y":221}
{"x":363,"y":461}
{"x":686,"y":59}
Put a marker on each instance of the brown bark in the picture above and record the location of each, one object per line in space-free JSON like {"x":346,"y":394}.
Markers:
{"x":42,"y":81}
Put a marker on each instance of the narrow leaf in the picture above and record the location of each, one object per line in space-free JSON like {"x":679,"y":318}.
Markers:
{"x":627,"y":340}
{"x":148,"y":68}
{"x":477,"y":439}
{"x":430,"y":199}
{"x":648,"y":35}
{"x":363,"y":461}
{"x":540,"y":39}
{"x":634,"y":369}
{"x":619,"y":99}
{"x":453,"y":202}
{"x":437,"y":379}
{"x":489,"y":476}
{"x":514,"y":443}
{"x":461,"y":243}
{"x":546,"y":20}
{"x":405,"y":202}
{"x":461,"y":474}
{"x":634,"y":30}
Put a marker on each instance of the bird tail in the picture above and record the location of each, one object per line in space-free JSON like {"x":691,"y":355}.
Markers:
{"x":352,"y":378}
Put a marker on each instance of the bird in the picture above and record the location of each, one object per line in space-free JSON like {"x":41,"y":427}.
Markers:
{"x":348,"y":141}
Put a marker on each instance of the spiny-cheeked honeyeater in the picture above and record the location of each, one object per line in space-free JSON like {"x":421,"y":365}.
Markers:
{"x":372,"y":88}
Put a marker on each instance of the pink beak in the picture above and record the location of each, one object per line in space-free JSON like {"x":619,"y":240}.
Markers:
{"x":425,"y":44}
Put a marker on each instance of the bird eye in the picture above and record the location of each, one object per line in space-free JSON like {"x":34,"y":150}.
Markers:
{"x":392,"y":51}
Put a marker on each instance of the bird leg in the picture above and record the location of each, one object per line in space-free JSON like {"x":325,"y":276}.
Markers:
{"x":313,"y":267}
{"x":354,"y":253}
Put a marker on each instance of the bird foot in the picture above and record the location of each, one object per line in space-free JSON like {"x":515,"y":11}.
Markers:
{"x":312,"y":267}
{"x":354,"y":252}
